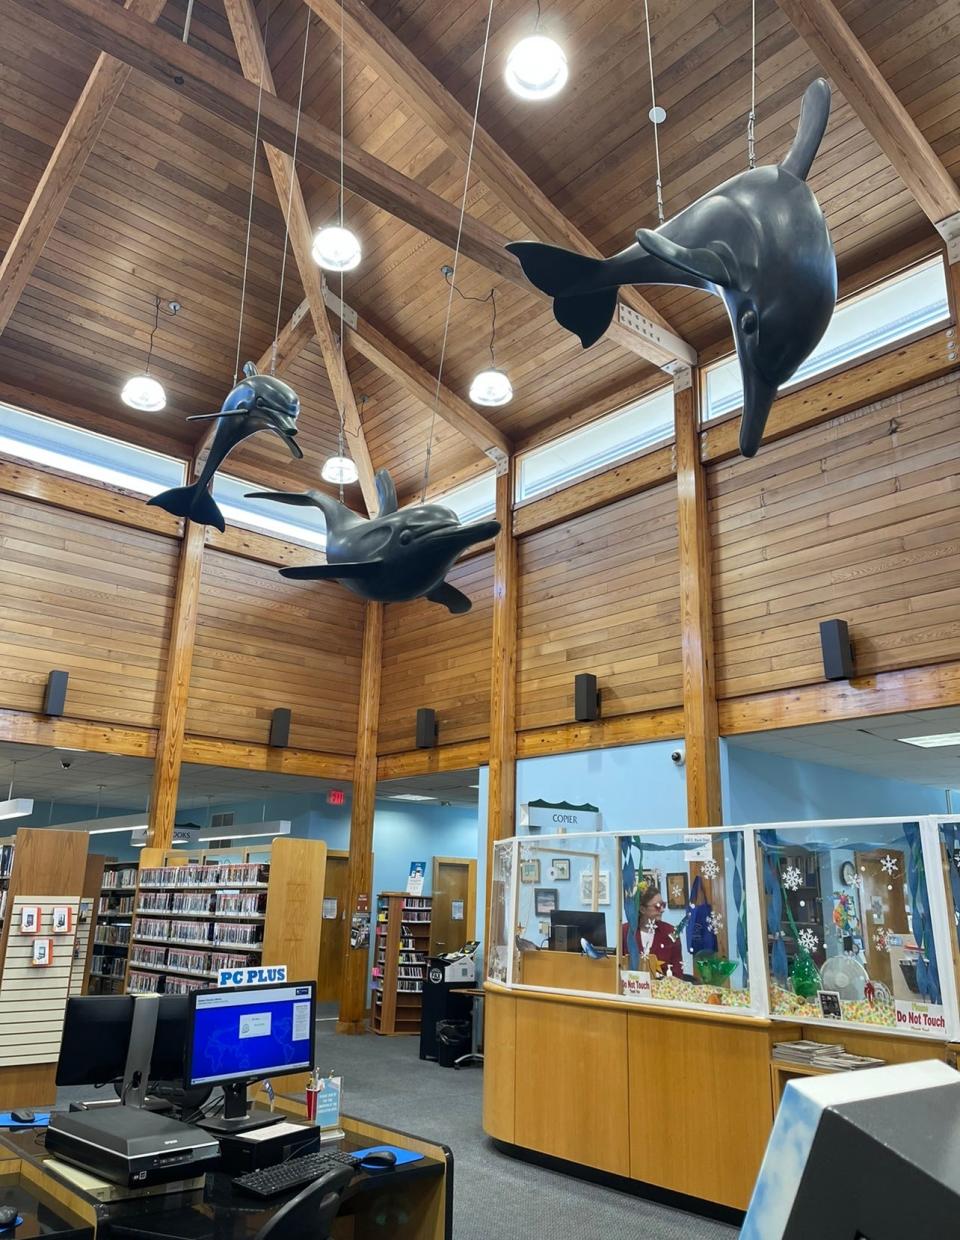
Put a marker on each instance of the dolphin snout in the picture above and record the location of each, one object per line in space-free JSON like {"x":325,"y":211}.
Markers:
{"x":758,"y":396}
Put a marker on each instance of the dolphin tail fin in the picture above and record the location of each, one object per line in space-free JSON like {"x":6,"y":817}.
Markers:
{"x":814,"y":114}
{"x":195,"y":503}
{"x":558,"y":273}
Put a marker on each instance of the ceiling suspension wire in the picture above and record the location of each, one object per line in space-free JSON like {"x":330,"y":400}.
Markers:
{"x":752,"y":118}
{"x":293,"y":177}
{"x":253,"y":181}
{"x":341,"y":399}
{"x":452,"y":281}
{"x":653,"y":112}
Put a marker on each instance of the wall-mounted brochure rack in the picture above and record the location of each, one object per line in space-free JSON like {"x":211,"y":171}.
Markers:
{"x":402,"y":941}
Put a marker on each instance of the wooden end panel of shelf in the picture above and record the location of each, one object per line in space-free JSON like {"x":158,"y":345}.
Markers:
{"x":87,"y":929}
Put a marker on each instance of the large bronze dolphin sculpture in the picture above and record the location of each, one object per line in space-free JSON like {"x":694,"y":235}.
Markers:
{"x":759,"y":241}
{"x":398,"y":555}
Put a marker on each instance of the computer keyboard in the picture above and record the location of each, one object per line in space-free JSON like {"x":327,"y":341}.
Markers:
{"x":294,"y":1173}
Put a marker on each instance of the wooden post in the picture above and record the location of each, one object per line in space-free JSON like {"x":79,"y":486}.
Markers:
{"x":176,"y":687}
{"x":501,"y":802}
{"x":701,"y":732}
{"x":353,"y":981}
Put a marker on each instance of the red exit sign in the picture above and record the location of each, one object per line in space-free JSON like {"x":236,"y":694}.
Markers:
{"x":336,"y":796}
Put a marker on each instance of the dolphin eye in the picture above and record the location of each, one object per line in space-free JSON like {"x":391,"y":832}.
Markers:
{"x":405,"y":537}
{"x":748,"y":321}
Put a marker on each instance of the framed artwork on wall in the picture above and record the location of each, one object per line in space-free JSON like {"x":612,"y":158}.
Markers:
{"x":560,"y":869}
{"x":586,"y":887}
{"x":529,"y":871}
{"x":678,"y":890}
{"x":545,"y":900}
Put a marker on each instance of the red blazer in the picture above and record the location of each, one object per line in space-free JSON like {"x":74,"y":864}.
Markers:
{"x":666,"y":949}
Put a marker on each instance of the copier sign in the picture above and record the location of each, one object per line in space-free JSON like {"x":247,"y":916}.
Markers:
{"x":256,"y":976}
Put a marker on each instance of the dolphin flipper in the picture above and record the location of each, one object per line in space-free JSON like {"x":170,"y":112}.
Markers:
{"x":698,"y":261}
{"x":450,"y":597}
{"x":328,"y":572}
{"x":386,"y":492}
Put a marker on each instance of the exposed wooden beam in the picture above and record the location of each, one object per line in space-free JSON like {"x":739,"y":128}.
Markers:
{"x":429,"y":99}
{"x":248,"y":756}
{"x":293,"y":339}
{"x":501,"y":798}
{"x":176,"y":690}
{"x":25,"y":728}
{"x":209,"y":84}
{"x":102,"y":89}
{"x":882,"y":114}
{"x":700,"y":727}
{"x":253,"y":60}
{"x":353,"y":981}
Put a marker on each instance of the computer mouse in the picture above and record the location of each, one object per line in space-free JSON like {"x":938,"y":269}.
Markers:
{"x":378,"y":1160}
{"x":8,"y":1216}
{"x":23,"y":1116}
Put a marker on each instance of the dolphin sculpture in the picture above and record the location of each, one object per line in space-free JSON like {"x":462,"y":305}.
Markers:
{"x":257,"y":403}
{"x":759,"y":241}
{"x":398,"y":555}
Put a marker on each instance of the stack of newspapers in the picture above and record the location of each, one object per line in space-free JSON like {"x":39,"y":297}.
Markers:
{"x":825,"y":1056}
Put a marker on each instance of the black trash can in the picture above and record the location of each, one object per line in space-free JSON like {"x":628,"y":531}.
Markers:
{"x":453,"y":1040}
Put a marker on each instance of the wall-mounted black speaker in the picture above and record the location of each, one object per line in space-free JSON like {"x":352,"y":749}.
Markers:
{"x":836,"y":649}
{"x":56,"y":695}
{"x":280,"y":728}
{"x":426,"y":728}
{"x":586,"y":698}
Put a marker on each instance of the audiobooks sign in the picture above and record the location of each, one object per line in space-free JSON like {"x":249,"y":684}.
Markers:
{"x":635,"y":985}
{"x":920,"y":1017}
{"x":257,"y":975}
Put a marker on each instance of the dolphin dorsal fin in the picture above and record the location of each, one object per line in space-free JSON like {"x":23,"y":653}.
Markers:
{"x":814,"y":114}
{"x":250,"y":369}
{"x":386,"y":491}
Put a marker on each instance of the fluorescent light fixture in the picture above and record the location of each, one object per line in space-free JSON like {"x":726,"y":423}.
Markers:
{"x":473,"y":785}
{"x":244,"y":831}
{"x":106,"y":826}
{"x":18,"y":808}
{"x":409,"y":796}
{"x":936,"y":740}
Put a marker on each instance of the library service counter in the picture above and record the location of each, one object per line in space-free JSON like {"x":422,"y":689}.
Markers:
{"x":636,"y":984}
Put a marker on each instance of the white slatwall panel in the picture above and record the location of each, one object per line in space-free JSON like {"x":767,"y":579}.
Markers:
{"x":32,"y":999}
{"x":78,"y":974}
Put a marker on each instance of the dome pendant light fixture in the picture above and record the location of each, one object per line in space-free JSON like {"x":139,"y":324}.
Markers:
{"x":336,"y":248}
{"x":536,"y":66}
{"x":142,"y":391}
{"x":339,"y":470}
{"x":491,"y":387}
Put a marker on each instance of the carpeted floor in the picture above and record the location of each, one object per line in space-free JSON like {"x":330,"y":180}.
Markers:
{"x":495,"y":1197}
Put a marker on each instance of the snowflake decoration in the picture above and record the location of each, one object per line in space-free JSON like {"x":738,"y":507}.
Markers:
{"x":808,"y":940}
{"x":676,"y":891}
{"x":714,"y":923}
{"x":710,"y":869}
{"x":880,"y":939}
{"x":792,"y":878}
{"x":651,"y":925}
{"x":889,"y":865}
{"x":857,"y":880}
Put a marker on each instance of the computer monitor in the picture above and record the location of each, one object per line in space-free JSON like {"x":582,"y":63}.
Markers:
{"x":96,"y":1039}
{"x":577,"y":924}
{"x":236,"y":1037}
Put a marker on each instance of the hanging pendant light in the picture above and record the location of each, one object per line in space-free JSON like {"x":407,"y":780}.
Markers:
{"x":336,"y":248}
{"x":340,"y":470}
{"x":143,"y":392}
{"x":490,"y":387}
{"x":536,"y":66}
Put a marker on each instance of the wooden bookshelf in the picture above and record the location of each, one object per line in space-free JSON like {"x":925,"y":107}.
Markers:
{"x":402,"y":942}
{"x":110,"y":931}
{"x":86,"y":925}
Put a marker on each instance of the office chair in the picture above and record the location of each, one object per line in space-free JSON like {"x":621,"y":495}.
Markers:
{"x":309,"y":1215}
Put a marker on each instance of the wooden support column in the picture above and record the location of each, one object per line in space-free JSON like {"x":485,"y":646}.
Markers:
{"x":176,"y":688}
{"x":701,"y":733}
{"x":501,"y":802}
{"x":356,"y":963}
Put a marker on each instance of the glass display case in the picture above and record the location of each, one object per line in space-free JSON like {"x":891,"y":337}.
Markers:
{"x":852,"y":934}
{"x":500,"y":946}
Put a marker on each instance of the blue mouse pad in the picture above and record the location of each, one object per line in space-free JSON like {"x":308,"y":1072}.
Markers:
{"x":402,"y":1156}
{"x":18,"y":1221}
{"x":40,"y":1120}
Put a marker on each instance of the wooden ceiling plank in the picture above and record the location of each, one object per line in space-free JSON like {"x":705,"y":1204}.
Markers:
{"x":64,"y":167}
{"x":253,"y":60}
{"x":429,"y":99}
{"x":882,"y":114}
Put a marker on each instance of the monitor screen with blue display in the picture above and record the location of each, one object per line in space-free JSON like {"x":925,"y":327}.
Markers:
{"x":250,"y":1033}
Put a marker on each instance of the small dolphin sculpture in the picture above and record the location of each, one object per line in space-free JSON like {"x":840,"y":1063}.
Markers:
{"x":257,"y":403}
{"x":393,"y":557}
{"x":759,"y":241}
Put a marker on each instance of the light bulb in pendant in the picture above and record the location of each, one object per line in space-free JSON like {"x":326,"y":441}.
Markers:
{"x":491,"y":387}
{"x":336,"y":249}
{"x":145,"y":393}
{"x":340,"y":470}
{"x":536,"y":68}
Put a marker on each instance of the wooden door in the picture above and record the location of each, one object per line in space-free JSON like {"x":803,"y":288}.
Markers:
{"x":882,"y":907}
{"x":333,"y":931}
{"x":454,"y":900}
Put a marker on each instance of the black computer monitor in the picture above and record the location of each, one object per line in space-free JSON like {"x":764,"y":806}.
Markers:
{"x":584,"y":925}
{"x":247,"y":1034}
{"x":96,"y":1039}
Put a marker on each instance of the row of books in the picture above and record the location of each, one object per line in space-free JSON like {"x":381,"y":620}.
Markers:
{"x":161,"y":983}
{"x":223,"y":933}
{"x":826,"y":1056}
{"x":112,"y":936}
{"x":125,"y":877}
{"x":227,"y":874}
{"x":118,"y":904}
{"x":222,"y":903}
{"x":109,"y":966}
{"x":6,"y":860}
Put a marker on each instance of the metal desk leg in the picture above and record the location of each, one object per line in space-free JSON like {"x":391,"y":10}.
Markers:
{"x":476,"y":1034}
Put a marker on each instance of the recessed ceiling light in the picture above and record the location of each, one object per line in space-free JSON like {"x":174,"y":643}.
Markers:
{"x":936,"y":740}
{"x":409,"y":796}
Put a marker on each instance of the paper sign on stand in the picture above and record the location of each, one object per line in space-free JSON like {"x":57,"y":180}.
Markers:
{"x":415,"y":881}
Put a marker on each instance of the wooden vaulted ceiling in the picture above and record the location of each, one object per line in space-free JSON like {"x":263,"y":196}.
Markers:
{"x":161,"y":206}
